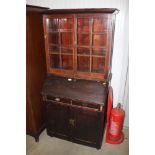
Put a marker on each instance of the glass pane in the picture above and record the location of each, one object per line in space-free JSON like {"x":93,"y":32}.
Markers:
{"x":53,"y":23}
{"x":83,"y":25}
{"x":67,"y":61}
{"x":83,"y":39}
{"x":66,"y":39}
{"x":99,"y":39}
{"x":67,"y":50}
{"x":98,"y":51}
{"x":53,"y":38}
{"x":100,"y":24}
{"x":54,"y":61}
{"x":54,"y":49}
{"x":66,"y":23}
{"x":83,"y":50}
{"x":98,"y":64}
{"x":83,"y":63}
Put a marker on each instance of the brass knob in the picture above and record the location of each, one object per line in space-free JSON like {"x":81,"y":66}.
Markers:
{"x":72,"y":122}
{"x":57,"y":99}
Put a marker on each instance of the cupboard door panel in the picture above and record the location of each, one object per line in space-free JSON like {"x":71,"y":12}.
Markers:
{"x":57,"y":117}
{"x":86,"y":126}
{"x":60,"y":39}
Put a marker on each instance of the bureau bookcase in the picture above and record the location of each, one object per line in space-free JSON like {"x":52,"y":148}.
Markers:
{"x":78,"y":45}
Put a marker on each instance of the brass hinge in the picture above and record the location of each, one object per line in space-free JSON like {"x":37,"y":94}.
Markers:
{"x":101,"y":107}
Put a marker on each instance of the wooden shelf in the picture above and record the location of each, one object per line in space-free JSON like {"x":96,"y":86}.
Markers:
{"x":59,"y":30}
{"x":60,"y":53}
{"x":88,"y":55}
{"x":101,"y":33}
{"x":83,"y":46}
{"x":60,"y":46}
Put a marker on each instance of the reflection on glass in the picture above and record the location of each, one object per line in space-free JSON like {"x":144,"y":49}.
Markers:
{"x":54,"y":61}
{"x":54,"y":49}
{"x":53,"y":23}
{"x":66,"y":23}
{"x":53,"y":38}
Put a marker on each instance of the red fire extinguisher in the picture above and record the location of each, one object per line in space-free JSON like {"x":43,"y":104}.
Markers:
{"x":115,"y":118}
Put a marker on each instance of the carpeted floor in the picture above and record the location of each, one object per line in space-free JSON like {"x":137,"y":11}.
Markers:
{"x":54,"y":146}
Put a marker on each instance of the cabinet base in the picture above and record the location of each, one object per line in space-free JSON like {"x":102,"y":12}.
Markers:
{"x":86,"y":143}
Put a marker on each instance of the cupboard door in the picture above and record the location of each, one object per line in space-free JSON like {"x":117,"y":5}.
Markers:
{"x":57,"y":117}
{"x":59,"y":42}
{"x":92,"y":43}
{"x":86,"y":126}
{"x":79,"y":45}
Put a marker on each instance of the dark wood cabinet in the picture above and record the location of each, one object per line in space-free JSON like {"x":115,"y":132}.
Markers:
{"x":35,"y":71}
{"x":75,"y":110}
{"x":78,"y":45}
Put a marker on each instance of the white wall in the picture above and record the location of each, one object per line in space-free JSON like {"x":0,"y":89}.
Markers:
{"x":120,"y":53}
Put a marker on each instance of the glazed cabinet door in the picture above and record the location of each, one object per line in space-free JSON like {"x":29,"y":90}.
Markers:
{"x":92,"y":45}
{"x":78,"y":45}
{"x":59,"y":42}
{"x":86,"y":126}
{"x":57,"y":117}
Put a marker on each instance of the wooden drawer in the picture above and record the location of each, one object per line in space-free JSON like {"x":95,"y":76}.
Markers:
{"x":58,"y":99}
{"x":86,"y":104}
{"x":75,"y":103}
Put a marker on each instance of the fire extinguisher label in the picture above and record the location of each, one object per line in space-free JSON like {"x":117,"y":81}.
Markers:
{"x":114,"y":128}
